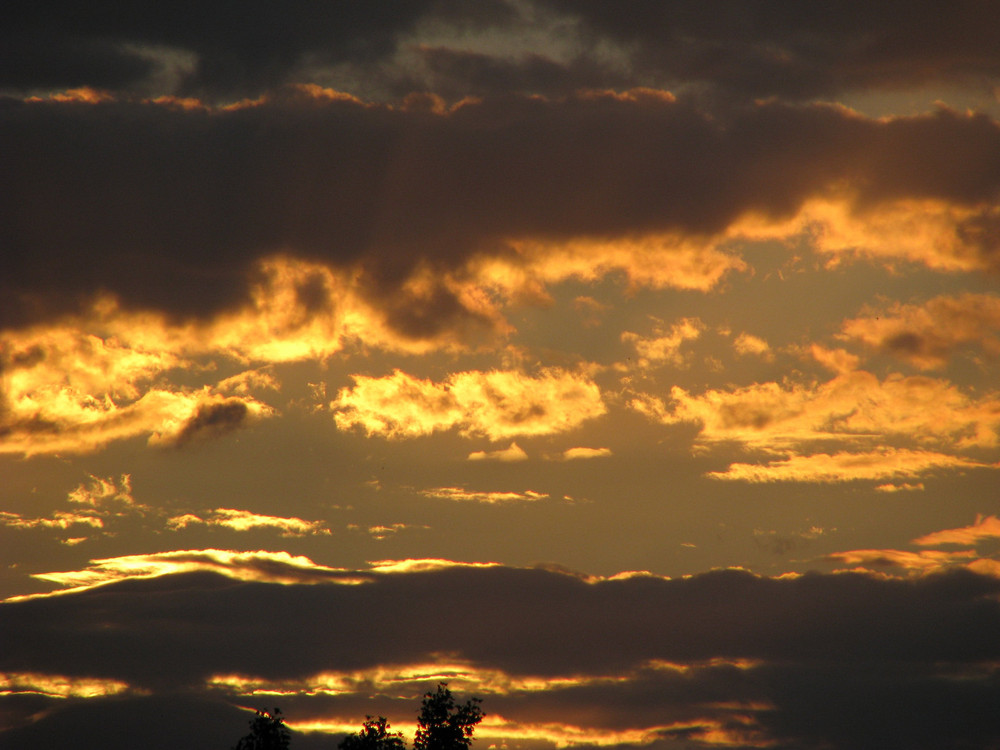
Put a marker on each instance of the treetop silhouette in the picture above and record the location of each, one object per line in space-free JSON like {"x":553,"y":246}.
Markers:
{"x":445,"y":725}
{"x":267,"y":732}
{"x":374,"y":735}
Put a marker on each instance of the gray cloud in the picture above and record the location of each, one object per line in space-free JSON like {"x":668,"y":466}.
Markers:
{"x":221,"y":49}
{"x":796,"y":50}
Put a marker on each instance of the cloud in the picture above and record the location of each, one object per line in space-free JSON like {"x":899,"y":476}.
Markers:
{"x":512,"y":453}
{"x":929,"y":334}
{"x":852,"y":408}
{"x":489,"y":498}
{"x":665,"y":345}
{"x":498,"y":404}
{"x":68,"y":390}
{"x":260,"y":565}
{"x":106,"y":503}
{"x":152,"y":46}
{"x":59,"y":520}
{"x":985,"y":528}
{"x":480,"y":198}
{"x":760,"y":49}
{"x":887,"y":463}
{"x":747,"y":656}
{"x":752,"y":51}
{"x":748,"y":345}
{"x":923,"y":561}
{"x":572,"y":454}
{"x":243,"y":520}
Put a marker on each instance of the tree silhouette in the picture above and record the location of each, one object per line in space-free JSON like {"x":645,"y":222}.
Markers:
{"x":267,"y":732}
{"x":445,"y":725}
{"x":374,"y":735}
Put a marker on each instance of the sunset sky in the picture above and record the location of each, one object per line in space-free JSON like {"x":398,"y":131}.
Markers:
{"x":632,"y":365}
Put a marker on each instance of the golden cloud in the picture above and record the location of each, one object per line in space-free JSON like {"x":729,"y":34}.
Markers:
{"x":934,"y":233}
{"x":243,"y":520}
{"x":926,"y":335}
{"x":852,"y":407}
{"x":496,"y":404}
{"x":659,"y":261}
{"x":58,"y":686}
{"x":489,"y":498}
{"x":576,"y":453}
{"x":59,"y":520}
{"x":845,"y":467}
{"x":101,"y":492}
{"x":261,"y":566}
{"x":748,"y":345}
{"x":665,"y":345}
{"x":512,"y":453}
{"x":105,"y":501}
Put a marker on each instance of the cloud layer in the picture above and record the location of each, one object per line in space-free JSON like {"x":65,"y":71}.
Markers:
{"x":757,"y":660}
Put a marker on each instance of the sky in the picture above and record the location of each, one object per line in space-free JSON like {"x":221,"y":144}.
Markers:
{"x":633,"y":366}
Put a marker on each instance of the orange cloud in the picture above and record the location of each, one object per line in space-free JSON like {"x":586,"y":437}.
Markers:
{"x":925,"y":561}
{"x":927,"y":335}
{"x":496,"y":404}
{"x":845,"y":467}
{"x":659,"y":261}
{"x":985,"y":527}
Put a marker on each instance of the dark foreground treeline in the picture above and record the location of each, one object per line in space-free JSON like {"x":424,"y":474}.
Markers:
{"x":442,"y":724}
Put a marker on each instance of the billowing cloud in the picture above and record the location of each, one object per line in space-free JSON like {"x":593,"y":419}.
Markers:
{"x":929,"y":334}
{"x":475,"y":202}
{"x":498,"y":404}
{"x":490,"y":498}
{"x":67,"y":390}
{"x":888,"y":463}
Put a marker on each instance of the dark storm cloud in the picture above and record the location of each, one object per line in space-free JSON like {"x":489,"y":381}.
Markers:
{"x":213,"y":420}
{"x":523,"y":621}
{"x":238,"y":49}
{"x":453,"y":74}
{"x":761,"y":48}
{"x":909,"y":659}
{"x":169,"y":208}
